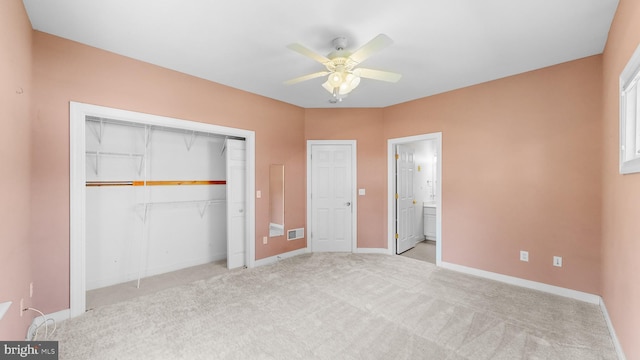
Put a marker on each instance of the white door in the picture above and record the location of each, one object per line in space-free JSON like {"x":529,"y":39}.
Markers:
{"x":236,"y":178}
{"x":331,"y":198}
{"x":405,"y":207}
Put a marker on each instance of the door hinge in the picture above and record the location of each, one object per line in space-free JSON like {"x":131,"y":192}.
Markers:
{"x":397,"y":196}
{"x":396,"y":236}
{"x":397,"y":156}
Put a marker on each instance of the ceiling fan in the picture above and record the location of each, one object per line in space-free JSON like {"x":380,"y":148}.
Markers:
{"x":341,"y":66}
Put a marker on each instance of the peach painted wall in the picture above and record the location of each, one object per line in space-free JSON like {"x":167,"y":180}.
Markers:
{"x":67,"y":71}
{"x":16,"y":90}
{"x":364,"y":126}
{"x":621,"y":194}
{"x":521,"y":171}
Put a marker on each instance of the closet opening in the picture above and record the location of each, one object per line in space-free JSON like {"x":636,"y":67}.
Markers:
{"x":152,"y":195}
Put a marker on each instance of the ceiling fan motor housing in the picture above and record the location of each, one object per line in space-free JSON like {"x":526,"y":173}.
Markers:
{"x":339,"y":43}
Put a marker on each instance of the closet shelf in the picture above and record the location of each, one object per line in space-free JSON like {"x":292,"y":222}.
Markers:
{"x":189,"y":135}
{"x":202,"y":205}
{"x":98,"y":154}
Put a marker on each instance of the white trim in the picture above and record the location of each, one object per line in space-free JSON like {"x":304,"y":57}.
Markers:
{"x":276,"y":258}
{"x":556,"y":290}
{"x":77,"y":115}
{"x":354,"y":188}
{"x":612,"y":331}
{"x":57,"y":316}
{"x":629,"y":77}
{"x":371,"y":251}
{"x":391,"y":184}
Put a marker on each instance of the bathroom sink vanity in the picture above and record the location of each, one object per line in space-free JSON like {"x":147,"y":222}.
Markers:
{"x":429,"y":213}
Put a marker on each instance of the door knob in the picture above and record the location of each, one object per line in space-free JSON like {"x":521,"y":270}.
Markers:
{"x":348,"y":203}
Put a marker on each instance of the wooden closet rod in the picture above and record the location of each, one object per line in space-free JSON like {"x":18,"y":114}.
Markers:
{"x":156,"y":182}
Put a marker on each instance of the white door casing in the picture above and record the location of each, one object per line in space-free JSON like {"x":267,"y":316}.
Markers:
{"x":405,"y":207}
{"x":236,"y":174}
{"x":391,"y":190}
{"x":331,"y":195}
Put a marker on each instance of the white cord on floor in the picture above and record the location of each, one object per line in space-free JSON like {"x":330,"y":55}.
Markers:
{"x":44,"y":322}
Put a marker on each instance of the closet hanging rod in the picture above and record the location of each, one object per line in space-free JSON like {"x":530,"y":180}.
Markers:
{"x":156,"y":183}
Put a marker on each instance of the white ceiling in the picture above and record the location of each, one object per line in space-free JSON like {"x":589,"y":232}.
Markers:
{"x":439,"y":45}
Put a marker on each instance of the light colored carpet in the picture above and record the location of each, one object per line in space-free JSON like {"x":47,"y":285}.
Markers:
{"x":129,"y":290}
{"x":340,"y":306}
{"x":424,"y":250}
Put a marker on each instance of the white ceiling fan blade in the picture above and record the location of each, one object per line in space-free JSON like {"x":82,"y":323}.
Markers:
{"x":377,"y":75}
{"x":306,"y":77}
{"x":308,"y":53}
{"x":376,"y":44}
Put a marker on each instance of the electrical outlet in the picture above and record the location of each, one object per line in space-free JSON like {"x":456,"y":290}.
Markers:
{"x":21,"y":307}
{"x":265,"y":240}
{"x":557,"y":261}
{"x":31,"y":289}
{"x":524,"y":255}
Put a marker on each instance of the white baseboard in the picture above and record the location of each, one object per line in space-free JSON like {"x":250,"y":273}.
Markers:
{"x":276,"y":258}
{"x":612,"y":331}
{"x":371,"y":251}
{"x":556,"y":290}
{"x":57,"y":316}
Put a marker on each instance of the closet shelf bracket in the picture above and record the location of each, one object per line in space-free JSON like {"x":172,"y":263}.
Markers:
{"x":189,"y":142}
{"x":98,"y":130}
{"x":147,"y":136}
{"x":224,"y":146}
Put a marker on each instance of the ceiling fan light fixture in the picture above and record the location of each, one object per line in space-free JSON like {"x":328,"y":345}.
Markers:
{"x":350,"y":82}
{"x":341,"y":83}
{"x":341,"y":66}
{"x":335,"y":79}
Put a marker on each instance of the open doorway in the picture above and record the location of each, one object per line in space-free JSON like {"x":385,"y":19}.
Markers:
{"x":414,"y":193}
{"x":187,"y":130}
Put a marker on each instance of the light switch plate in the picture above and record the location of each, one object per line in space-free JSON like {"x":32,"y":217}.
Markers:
{"x":361,"y":192}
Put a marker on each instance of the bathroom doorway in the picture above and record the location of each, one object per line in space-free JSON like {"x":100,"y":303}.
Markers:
{"x":414,"y":196}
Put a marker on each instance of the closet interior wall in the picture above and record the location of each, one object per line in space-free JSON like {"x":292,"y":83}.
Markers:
{"x":155,"y":201}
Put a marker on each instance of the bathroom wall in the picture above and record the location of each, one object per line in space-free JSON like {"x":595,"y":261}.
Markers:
{"x":424,"y":180}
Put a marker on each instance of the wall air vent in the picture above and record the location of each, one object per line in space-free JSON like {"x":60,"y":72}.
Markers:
{"x":295,"y":234}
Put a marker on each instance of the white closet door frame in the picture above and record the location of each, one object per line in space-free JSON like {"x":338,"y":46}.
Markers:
{"x":77,"y":185}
